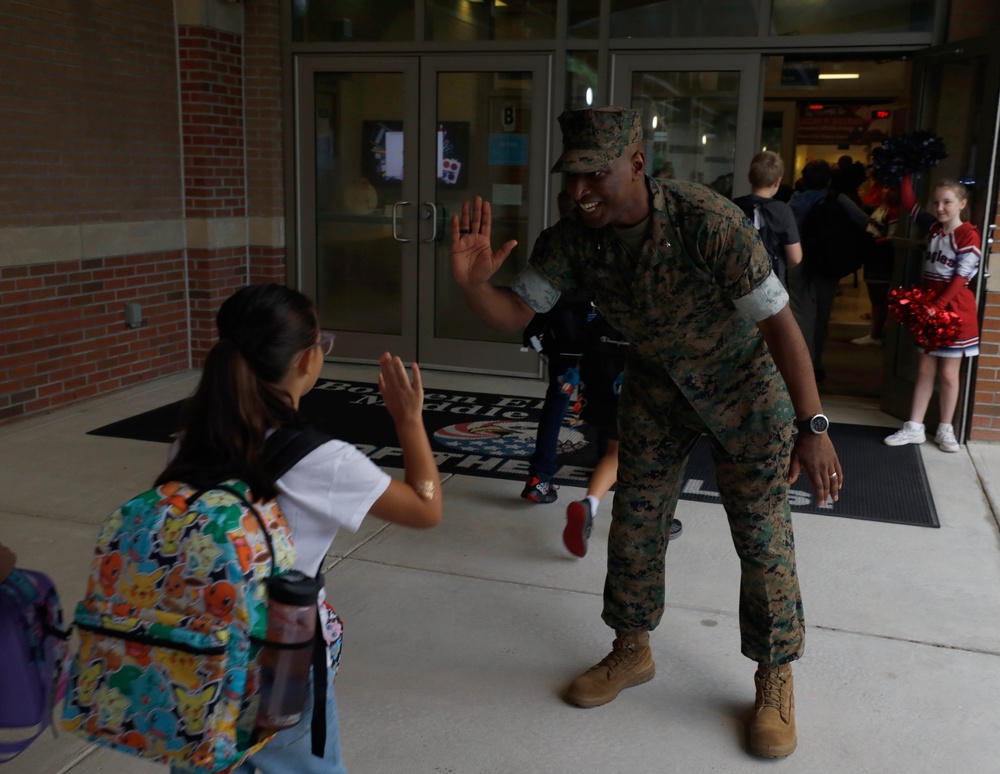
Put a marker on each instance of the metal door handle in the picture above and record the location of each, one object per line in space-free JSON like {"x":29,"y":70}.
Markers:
{"x":395,"y":235}
{"x":434,"y":221}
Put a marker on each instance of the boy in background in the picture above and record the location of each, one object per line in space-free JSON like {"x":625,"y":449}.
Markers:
{"x":772,"y":218}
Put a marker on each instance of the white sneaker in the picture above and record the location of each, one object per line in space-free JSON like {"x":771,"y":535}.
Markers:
{"x":912,"y":432}
{"x":945,"y":438}
{"x":867,"y":341}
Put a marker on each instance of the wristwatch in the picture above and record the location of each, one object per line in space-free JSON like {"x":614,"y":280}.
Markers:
{"x":817,"y":425}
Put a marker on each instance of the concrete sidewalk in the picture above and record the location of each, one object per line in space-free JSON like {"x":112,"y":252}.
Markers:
{"x":459,"y":640}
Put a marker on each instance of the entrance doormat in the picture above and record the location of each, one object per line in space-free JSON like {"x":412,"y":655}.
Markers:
{"x":480,"y":434}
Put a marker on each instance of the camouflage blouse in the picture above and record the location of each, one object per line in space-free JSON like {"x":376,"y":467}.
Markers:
{"x":676,"y":303}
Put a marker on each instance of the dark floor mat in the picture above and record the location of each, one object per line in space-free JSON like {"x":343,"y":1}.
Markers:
{"x":480,"y":434}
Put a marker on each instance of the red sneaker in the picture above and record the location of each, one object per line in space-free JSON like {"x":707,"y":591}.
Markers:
{"x":579,"y":524}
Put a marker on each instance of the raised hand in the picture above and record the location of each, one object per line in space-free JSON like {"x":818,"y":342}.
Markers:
{"x":473,"y":261}
{"x":403,"y":399}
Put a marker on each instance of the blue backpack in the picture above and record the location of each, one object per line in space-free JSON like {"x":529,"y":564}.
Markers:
{"x":35,"y":652}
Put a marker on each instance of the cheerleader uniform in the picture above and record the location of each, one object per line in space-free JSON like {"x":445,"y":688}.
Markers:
{"x":951,"y":262}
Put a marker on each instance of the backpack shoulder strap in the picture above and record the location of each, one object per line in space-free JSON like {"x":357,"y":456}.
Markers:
{"x":283,"y":449}
{"x":745,"y":203}
{"x":288,"y":445}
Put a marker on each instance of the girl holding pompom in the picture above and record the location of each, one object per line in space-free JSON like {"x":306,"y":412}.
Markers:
{"x":952,"y":260}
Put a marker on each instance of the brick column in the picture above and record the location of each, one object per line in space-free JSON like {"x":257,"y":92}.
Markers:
{"x":231,"y":116}
{"x":265,"y":161}
{"x":986,"y":401}
{"x":215,"y":200}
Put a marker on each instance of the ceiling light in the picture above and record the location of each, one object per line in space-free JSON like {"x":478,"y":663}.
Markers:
{"x":590,"y":96}
{"x":838,"y":76}
{"x":655,"y":121}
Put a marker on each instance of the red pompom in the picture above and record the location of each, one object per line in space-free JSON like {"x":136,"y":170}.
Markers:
{"x":939,"y":330}
{"x":906,"y":305}
{"x":931,"y":328}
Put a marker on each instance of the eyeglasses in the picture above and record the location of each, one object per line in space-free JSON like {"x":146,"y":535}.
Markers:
{"x":325,"y":344}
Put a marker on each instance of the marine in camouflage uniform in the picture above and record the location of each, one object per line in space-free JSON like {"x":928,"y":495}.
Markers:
{"x":709,"y":328}
{"x":696,"y":365}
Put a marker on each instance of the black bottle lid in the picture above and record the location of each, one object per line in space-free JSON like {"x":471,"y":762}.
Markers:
{"x":294,"y":588}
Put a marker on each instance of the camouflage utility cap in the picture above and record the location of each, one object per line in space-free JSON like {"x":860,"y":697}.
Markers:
{"x":594,"y":138}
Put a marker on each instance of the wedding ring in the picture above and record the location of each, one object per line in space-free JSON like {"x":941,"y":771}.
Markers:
{"x":465,"y":231}
{"x":833,"y":475}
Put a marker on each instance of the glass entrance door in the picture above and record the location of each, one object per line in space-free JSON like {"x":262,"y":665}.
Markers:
{"x":389,"y":149}
{"x":956,"y":93}
{"x":357,"y":228}
{"x":699,"y":112}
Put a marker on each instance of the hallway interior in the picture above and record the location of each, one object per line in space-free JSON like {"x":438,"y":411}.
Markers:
{"x":852,"y":370}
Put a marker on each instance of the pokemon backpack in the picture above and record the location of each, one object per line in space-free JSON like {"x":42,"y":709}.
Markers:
{"x":35,"y":652}
{"x":173,"y":618}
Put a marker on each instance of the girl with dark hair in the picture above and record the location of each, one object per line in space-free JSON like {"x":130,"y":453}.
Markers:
{"x":269,"y":354}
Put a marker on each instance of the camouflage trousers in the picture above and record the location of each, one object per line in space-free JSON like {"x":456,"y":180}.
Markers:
{"x":658,"y":429}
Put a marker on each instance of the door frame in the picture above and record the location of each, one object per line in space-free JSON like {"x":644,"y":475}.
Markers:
{"x":749,"y":100}
{"x":358,"y":345}
{"x":499,"y":358}
{"x":899,"y":379}
{"x":418,"y":255}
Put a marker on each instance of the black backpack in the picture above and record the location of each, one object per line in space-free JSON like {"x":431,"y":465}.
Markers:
{"x":604,"y":341}
{"x":758,"y":206}
{"x":603,"y":361}
{"x":833,"y":246}
{"x":563,"y":329}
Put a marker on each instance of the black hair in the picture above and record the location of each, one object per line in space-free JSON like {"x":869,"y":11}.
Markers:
{"x":816,"y":175}
{"x":262,"y":330}
{"x":846,"y":179}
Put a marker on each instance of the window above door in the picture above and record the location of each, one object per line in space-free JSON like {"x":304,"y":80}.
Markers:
{"x":740,"y":22}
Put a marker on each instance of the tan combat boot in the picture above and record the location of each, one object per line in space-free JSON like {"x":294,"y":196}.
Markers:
{"x":772,"y":730}
{"x":629,"y":663}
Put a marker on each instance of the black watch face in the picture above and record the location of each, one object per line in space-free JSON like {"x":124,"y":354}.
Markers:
{"x":819,"y":424}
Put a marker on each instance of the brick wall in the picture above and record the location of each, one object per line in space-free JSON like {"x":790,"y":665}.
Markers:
{"x":211,"y":89}
{"x":143,"y":161}
{"x":231,"y":106}
{"x":211,"y":83}
{"x":264,"y":136}
{"x":64,"y":338}
{"x":264,"y":109}
{"x":88,"y":110}
{"x":986,"y":400}
{"x":267,"y":264}
{"x":213,"y":276}
{"x":91,"y":170}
